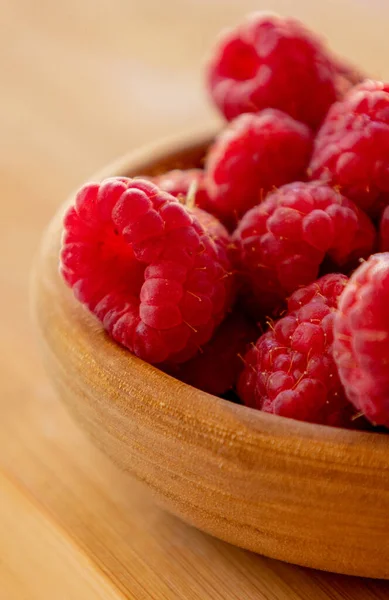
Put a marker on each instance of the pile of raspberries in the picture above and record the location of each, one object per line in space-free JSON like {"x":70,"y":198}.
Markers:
{"x":262,"y":274}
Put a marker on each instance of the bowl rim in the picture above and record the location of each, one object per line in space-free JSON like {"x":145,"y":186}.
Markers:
{"x":256,"y":421}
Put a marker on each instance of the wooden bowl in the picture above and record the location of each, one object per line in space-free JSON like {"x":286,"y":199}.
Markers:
{"x":306,"y":494}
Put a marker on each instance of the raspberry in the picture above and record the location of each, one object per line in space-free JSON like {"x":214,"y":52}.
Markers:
{"x":291,"y":371}
{"x":156,"y":276}
{"x":271,"y":61}
{"x":180,"y":183}
{"x":352,"y":147}
{"x":282,"y":242}
{"x":361,"y":339}
{"x":216,"y":368}
{"x":254,"y":154}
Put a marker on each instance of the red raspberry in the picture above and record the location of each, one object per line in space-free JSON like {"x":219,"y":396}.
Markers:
{"x":352,"y":147}
{"x":157,"y":279}
{"x":361,"y":339}
{"x":180,"y":183}
{"x":216,"y":368}
{"x":253,"y":155}
{"x":290,"y":371}
{"x":282,"y":242}
{"x":271,"y":61}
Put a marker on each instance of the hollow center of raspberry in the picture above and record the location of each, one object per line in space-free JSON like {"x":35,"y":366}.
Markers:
{"x":240,"y":61}
{"x":120,"y":269}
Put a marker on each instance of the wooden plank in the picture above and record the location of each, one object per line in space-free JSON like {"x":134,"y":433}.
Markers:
{"x":37,"y":560}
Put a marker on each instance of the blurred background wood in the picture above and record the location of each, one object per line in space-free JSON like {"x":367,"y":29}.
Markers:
{"x":83,"y":82}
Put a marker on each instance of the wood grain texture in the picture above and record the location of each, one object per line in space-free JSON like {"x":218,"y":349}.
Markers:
{"x":48,"y":555}
{"x":81,"y":85}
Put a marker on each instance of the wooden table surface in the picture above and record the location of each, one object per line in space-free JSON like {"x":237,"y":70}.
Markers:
{"x":82,"y":82}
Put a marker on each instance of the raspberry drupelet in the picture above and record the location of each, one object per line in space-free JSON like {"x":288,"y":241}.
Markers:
{"x":217,"y":366}
{"x":291,"y":371}
{"x":272,"y":61}
{"x":361,"y":339}
{"x":282,"y":242}
{"x":351,"y":149}
{"x":157,"y":276}
{"x":384,"y":231}
{"x":253,"y":155}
